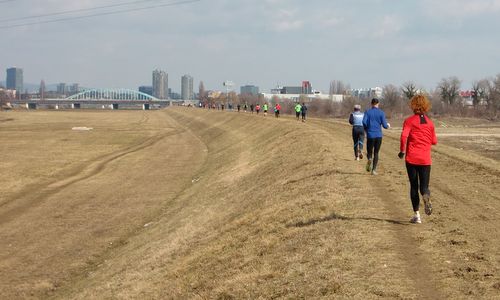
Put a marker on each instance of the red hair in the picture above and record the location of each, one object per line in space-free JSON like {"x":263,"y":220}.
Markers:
{"x":420,"y":104}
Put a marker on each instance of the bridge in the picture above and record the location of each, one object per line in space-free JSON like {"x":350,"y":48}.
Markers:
{"x":99,"y":98}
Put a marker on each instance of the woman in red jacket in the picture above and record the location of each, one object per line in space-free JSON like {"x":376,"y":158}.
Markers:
{"x":416,"y":140}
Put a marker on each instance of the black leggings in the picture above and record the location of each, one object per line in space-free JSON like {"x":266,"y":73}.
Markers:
{"x":358,"y":135}
{"x":419,"y":178}
{"x":372,"y":148}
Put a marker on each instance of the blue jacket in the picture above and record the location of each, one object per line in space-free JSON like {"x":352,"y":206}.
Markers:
{"x":373,"y":119}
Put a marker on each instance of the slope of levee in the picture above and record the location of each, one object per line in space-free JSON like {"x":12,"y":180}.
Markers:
{"x":280,"y":209}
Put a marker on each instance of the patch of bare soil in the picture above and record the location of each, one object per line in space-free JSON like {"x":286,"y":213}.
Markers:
{"x":209,"y":204}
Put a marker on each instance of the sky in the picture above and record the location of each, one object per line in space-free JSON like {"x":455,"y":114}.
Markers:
{"x":364,"y":43}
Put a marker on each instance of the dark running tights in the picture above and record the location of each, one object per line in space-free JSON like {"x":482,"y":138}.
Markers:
{"x":419,"y":178}
{"x":372,"y":149}
{"x":358,"y":135}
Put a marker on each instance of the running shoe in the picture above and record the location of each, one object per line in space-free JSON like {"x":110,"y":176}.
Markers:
{"x":428,"y":204}
{"x":360,"y":155}
{"x":368,"y":166}
{"x":416,"y":220}
{"x":374,"y":172}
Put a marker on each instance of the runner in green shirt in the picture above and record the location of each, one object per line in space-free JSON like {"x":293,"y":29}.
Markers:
{"x":298,"y":108}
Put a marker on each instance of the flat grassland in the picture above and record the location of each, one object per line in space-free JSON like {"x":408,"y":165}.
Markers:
{"x":189,"y":203}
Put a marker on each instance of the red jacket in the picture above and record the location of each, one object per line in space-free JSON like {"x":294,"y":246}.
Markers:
{"x":417,"y":138}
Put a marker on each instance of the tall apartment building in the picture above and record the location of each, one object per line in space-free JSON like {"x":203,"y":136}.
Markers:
{"x":160,"y":84}
{"x":15,"y":80}
{"x":62,"y":89}
{"x":187,"y":88}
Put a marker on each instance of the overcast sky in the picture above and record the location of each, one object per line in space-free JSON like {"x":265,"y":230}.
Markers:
{"x":366,"y":43}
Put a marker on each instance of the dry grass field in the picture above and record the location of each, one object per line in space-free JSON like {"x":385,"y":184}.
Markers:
{"x":196,"y":204}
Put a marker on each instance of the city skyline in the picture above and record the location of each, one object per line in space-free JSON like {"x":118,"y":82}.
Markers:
{"x":262,"y":43}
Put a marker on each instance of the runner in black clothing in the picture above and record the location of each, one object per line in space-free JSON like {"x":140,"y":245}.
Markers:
{"x":358,"y":131}
{"x":303,"y":111}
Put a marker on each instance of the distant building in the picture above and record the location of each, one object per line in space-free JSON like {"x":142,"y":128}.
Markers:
{"x":146,"y":89}
{"x":15,"y":80}
{"x":42,"y":90}
{"x":175,"y":96}
{"x":299,"y":97}
{"x":249,"y":90}
{"x":306,"y":88}
{"x":375,"y":92}
{"x":61,"y":88}
{"x":187,"y":88}
{"x":295,"y":90}
{"x":74,"y":89}
{"x":160,"y":84}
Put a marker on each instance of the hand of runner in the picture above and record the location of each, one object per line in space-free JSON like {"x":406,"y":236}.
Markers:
{"x":401,"y":155}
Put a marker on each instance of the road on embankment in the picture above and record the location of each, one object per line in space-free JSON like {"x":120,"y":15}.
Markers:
{"x":211,"y":204}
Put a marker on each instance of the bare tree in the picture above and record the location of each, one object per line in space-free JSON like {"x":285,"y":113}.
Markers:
{"x":5,"y":98}
{"x":337,"y":87}
{"x":409,"y":89}
{"x":393,"y":99}
{"x":493,"y":97}
{"x":449,"y":89}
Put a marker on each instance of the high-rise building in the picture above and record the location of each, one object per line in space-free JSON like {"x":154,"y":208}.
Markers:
{"x":249,"y":90}
{"x":187,"y":88}
{"x":160,"y":84}
{"x":15,"y":80}
{"x":61,"y":88}
{"x":42,"y":90}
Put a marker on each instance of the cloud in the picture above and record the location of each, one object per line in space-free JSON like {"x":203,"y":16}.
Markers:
{"x":460,"y":8}
{"x":332,"y":22}
{"x":286,"y":20}
{"x":390,"y":25}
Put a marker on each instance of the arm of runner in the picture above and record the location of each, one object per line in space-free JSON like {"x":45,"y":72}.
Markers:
{"x":351,"y":119}
{"x":384,"y":122}
{"x":404,"y":137}
{"x":434,"y":137}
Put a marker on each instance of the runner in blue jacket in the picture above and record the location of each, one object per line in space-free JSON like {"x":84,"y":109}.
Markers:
{"x":373,"y":121}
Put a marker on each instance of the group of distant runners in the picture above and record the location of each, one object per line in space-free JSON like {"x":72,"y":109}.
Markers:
{"x":416,"y":139}
{"x":300,"y":109}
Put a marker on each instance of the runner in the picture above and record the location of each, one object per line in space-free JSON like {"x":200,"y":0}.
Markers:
{"x":416,"y":140}
{"x":264,"y":108}
{"x":373,"y":120}
{"x":303,"y":111}
{"x":298,"y":108}
{"x":251,"y":108}
{"x":277,"y":109}
{"x":257,"y":108}
{"x":358,"y":132}
{"x":245,"y":107}
{"x":238,"y":107}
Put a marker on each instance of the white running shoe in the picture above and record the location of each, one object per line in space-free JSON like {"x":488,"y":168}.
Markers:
{"x":375,"y":173}
{"x":416,"y":220}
